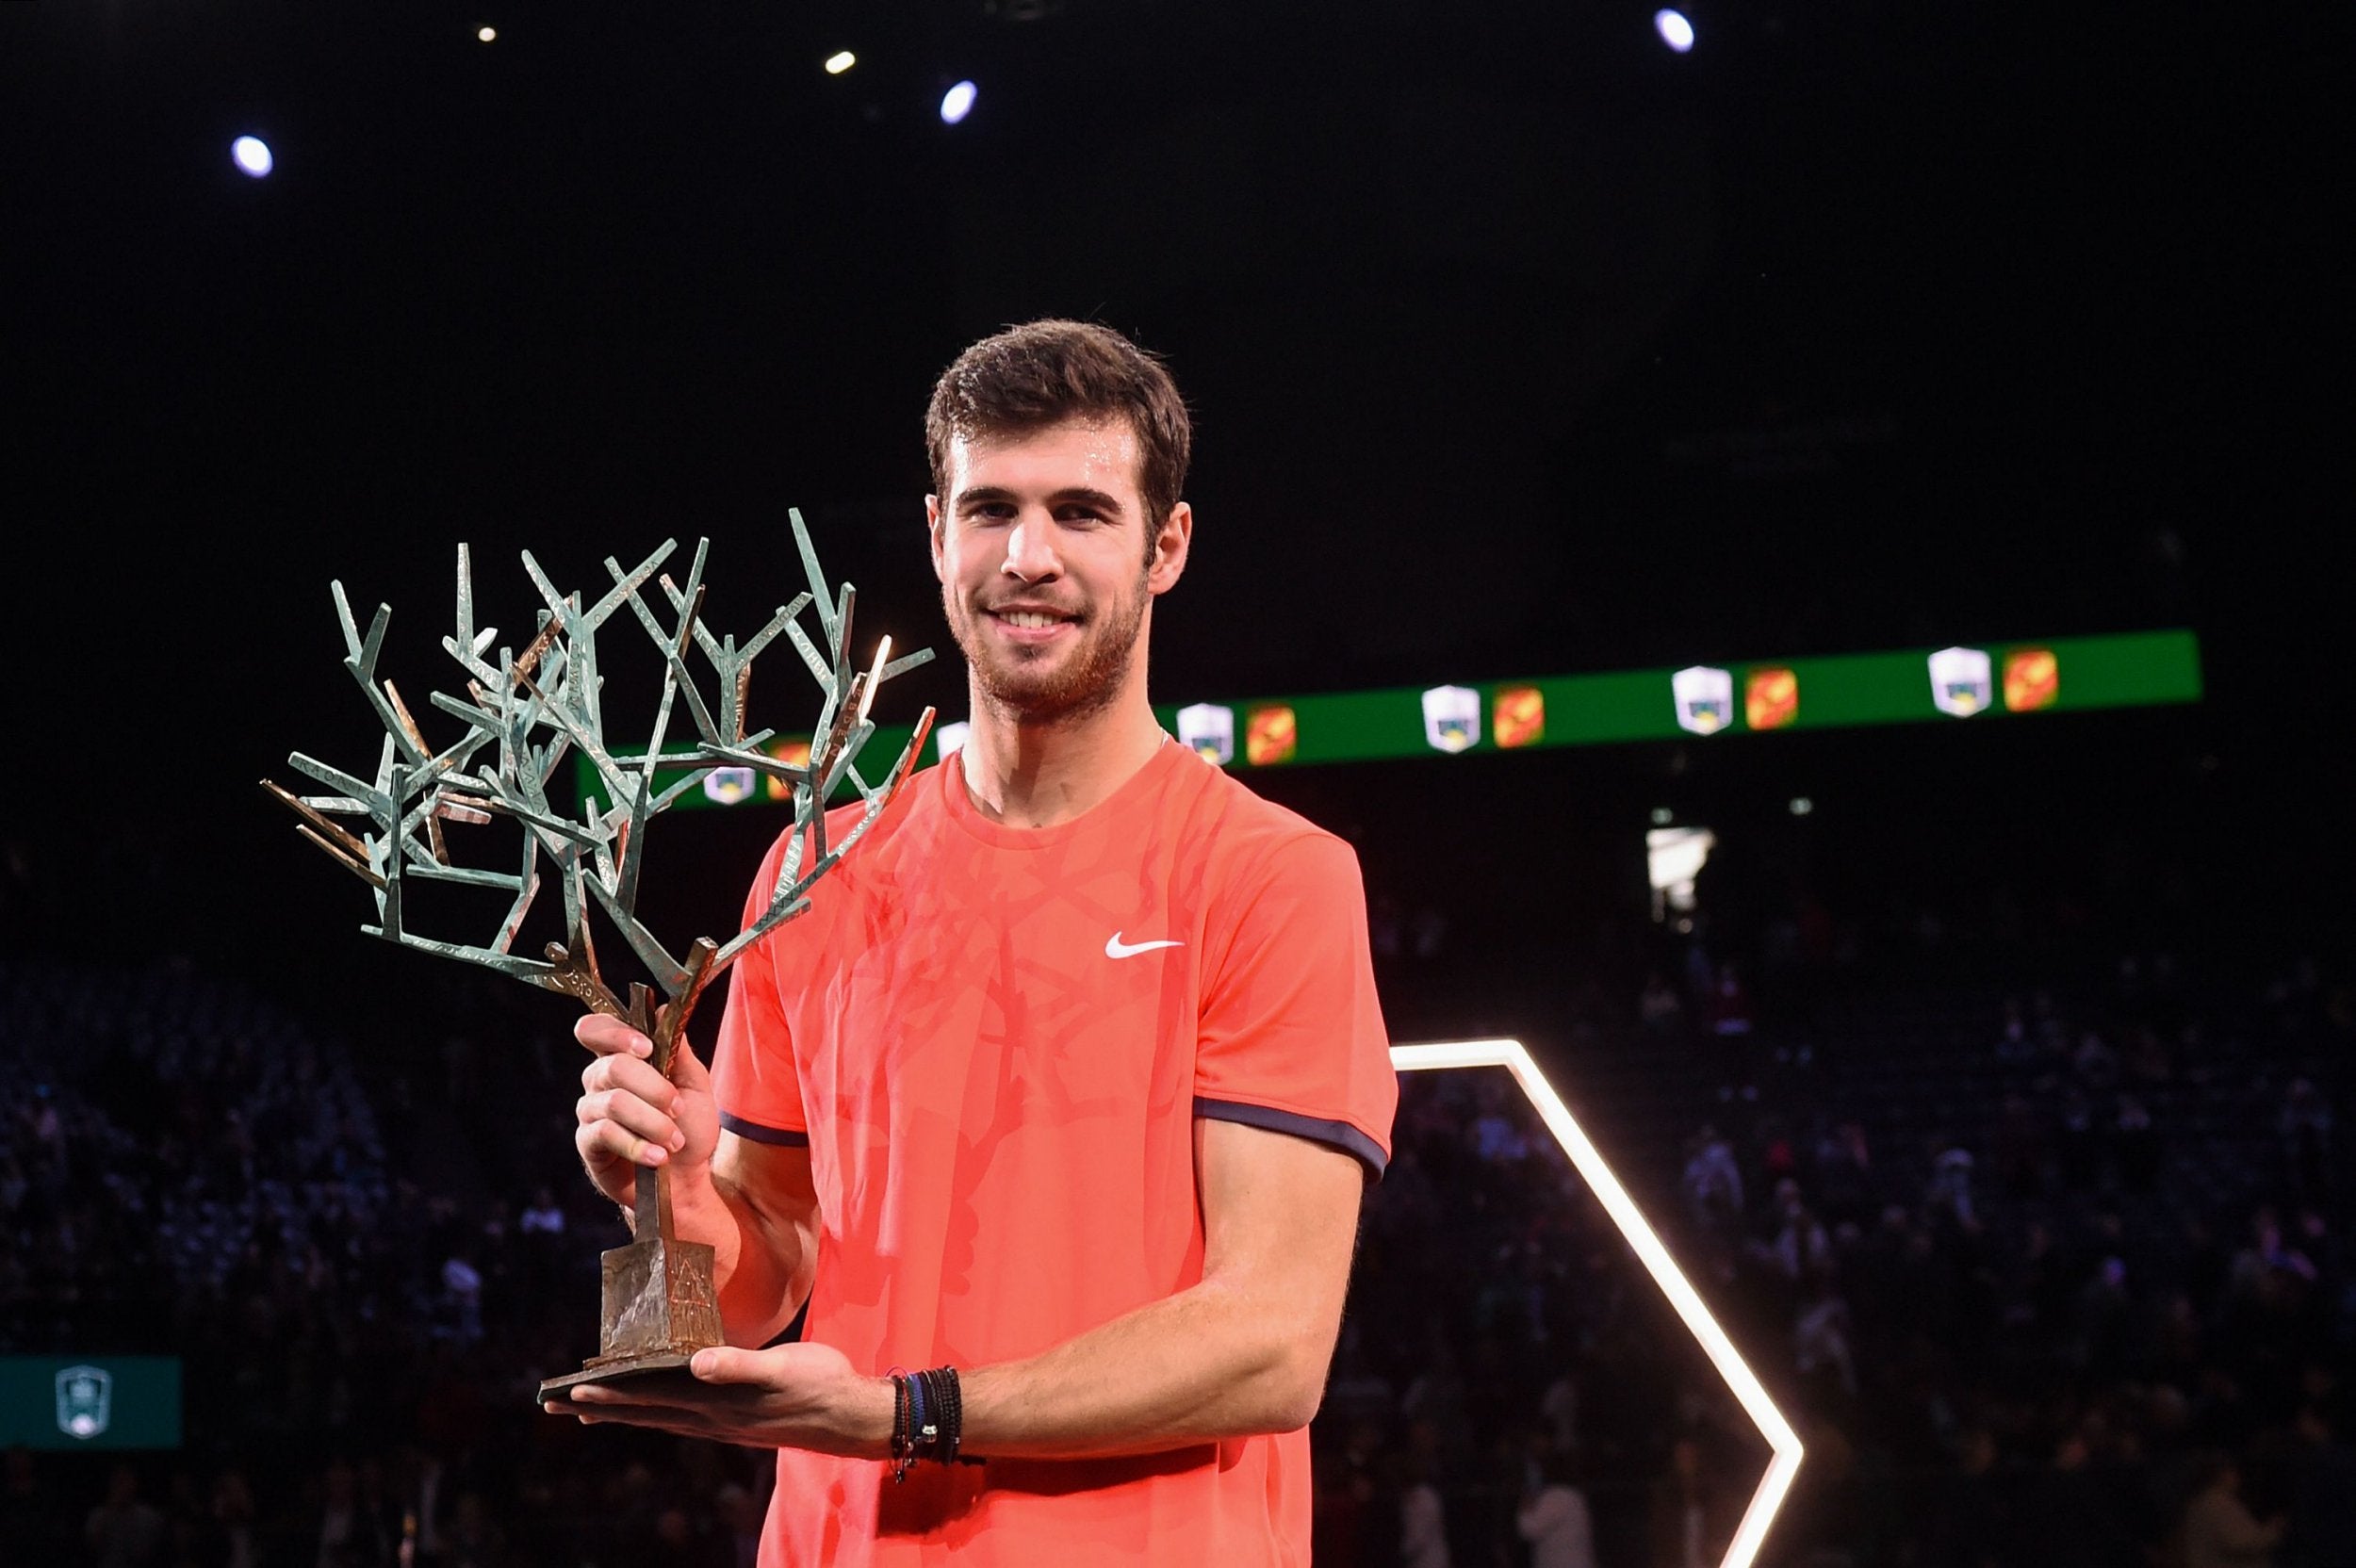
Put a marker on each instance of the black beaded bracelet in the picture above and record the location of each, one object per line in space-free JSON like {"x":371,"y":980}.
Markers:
{"x":927,"y":1419}
{"x":953,"y":1416}
{"x":903,"y":1451}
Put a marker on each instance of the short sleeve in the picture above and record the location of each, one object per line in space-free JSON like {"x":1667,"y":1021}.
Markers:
{"x":1291,"y":1033}
{"x":753,"y":1072}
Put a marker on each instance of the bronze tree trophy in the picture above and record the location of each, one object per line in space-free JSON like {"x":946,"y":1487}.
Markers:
{"x":529,"y":712}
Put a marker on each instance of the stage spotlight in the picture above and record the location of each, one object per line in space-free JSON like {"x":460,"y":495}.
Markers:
{"x":1674,"y":29}
{"x":840,"y":61}
{"x":252,"y":154}
{"x":957,"y":103}
{"x":487,"y":34}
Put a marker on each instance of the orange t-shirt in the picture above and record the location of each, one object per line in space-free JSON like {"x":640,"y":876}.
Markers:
{"x":995,"y":1043}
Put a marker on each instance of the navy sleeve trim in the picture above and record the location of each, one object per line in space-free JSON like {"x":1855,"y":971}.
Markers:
{"x":1340,"y":1134}
{"x":759,"y":1133}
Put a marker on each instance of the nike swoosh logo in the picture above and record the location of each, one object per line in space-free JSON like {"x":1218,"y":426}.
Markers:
{"x":1116,"y":948}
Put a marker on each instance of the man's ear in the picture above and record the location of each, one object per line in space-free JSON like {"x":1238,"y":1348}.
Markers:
{"x":1169,"y":550}
{"x":932,"y":533}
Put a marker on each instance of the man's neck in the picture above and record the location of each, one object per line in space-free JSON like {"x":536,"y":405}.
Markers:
{"x":1039,"y":775}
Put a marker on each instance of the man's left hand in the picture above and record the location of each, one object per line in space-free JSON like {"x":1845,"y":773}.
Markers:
{"x":787,"y":1396}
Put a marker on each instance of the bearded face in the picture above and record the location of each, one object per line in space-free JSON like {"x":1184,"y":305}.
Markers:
{"x":1046,"y":575}
{"x":1048,"y":658}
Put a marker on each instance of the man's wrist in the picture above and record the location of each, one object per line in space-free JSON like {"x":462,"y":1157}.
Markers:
{"x":695,"y":1201}
{"x":701,"y":1212}
{"x":867,"y":1416}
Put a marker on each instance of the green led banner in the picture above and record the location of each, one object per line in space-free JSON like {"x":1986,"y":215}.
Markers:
{"x":90,"y":1401}
{"x":1988,"y":683}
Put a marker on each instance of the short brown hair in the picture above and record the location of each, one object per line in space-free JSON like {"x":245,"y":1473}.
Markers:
{"x":1043,"y":372}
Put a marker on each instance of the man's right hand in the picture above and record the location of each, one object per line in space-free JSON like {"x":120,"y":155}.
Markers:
{"x":632,"y":1116}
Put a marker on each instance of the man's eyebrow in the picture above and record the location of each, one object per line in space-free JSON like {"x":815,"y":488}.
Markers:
{"x":985,"y":495}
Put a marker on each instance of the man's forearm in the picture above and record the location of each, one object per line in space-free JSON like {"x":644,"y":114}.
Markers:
{"x":1207,"y":1363}
{"x":1243,"y":1352}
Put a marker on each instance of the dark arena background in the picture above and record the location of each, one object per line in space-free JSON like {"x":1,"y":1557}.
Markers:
{"x":1982,"y":1076}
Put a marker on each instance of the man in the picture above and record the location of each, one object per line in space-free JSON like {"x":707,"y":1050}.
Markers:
{"x":1069,"y":1083}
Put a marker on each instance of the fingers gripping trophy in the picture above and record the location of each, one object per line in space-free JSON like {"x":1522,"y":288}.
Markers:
{"x":524,"y":719}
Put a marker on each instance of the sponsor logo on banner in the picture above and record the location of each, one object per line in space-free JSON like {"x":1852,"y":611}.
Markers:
{"x":727,"y":786}
{"x":1517,"y":716}
{"x":1451,"y":717}
{"x":951,"y":737}
{"x":1208,"y":731}
{"x":1704,"y":698}
{"x":1961,"y":684}
{"x":85,"y":1400}
{"x":1771,"y":698}
{"x":2032,"y":680}
{"x":1270,"y":735}
{"x":793,"y":754}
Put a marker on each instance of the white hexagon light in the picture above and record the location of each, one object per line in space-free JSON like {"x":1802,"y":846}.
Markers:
{"x":1511,"y":1054}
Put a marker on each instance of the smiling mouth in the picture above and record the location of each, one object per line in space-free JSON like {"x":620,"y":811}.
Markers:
{"x":1030,"y":620}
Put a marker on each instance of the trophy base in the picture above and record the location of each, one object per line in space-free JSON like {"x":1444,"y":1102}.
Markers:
{"x":661,"y":1307}
{"x":649,"y":1371}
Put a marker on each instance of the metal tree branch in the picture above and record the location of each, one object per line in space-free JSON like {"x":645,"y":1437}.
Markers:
{"x":529,"y":711}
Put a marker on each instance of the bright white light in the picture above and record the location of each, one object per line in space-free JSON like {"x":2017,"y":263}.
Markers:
{"x":950,"y":737}
{"x":1802,"y":806}
{"x":840,"y":61}
{"x":957,"y":102}
{"x":1674,"y":29}
{"x":252,"y":154}
{"x":1510,"y":1054}
{"x":1674,"y":857}
{"x":874,"y":676}
{"x":487,"y":34}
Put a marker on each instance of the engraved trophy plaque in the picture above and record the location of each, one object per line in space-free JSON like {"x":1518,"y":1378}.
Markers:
{"x":523,"y":717}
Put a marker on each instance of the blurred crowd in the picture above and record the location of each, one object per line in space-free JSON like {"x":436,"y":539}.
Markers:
{"x":2042,"y":1253}
{"x":2035,"y":1234}
{"x":362,"y":1293}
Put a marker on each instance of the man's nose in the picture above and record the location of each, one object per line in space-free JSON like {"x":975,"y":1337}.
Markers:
{"x":1031,"y":551}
